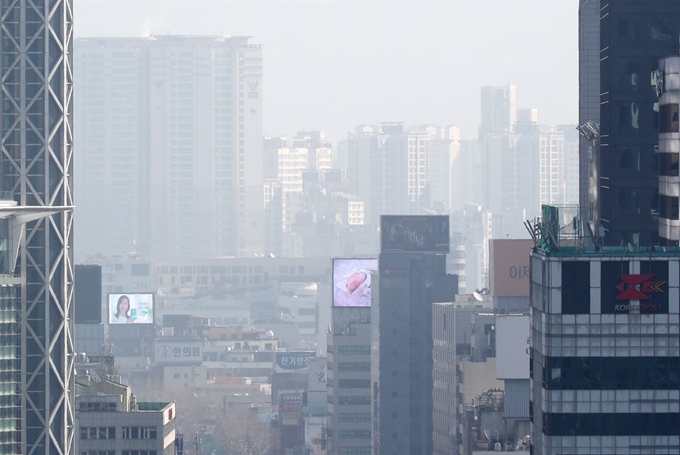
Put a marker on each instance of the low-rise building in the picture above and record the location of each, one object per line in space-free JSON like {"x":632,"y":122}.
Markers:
{"x":110,"y":421}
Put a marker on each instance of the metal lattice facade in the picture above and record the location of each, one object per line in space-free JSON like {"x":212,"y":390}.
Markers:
{"x":36,"y":167}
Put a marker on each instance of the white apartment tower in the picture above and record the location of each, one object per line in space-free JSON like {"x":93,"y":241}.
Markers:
{"x":181,"y":118}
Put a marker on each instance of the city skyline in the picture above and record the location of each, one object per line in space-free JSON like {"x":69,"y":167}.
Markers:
{"x":321,"y":63}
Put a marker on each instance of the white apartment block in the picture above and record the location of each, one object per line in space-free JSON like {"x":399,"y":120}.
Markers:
{"x":552,"y":166}
{"x":182,"y":123}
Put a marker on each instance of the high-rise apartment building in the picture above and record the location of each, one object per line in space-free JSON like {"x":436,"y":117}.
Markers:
{"x":172,"y":161}
{"x":570,"y":164}
{"x":36,"y":171}
{"x":401,"y":170}
{"x":617,"y":77}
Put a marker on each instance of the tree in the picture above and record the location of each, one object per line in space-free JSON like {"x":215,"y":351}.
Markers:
{"x":242,"y":433}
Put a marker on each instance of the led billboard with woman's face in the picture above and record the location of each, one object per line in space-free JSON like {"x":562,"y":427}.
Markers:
{"x":352,"y":282}
{"x":130,"y":308}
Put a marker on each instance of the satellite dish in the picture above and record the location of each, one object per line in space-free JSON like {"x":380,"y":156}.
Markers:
{"x":477,"y":296}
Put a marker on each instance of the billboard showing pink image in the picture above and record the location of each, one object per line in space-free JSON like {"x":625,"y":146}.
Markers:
{"x":352,"y":282}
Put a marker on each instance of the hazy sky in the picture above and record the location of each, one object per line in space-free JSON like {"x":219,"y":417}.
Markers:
{"x":330,"y":65}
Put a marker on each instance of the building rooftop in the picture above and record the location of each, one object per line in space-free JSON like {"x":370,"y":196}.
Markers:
{"x":560,"y":232}
{"x":608,"y":251}
{"x":152,"y":406}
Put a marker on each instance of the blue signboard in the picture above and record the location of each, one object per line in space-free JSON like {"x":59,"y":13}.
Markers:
{"x":292,"y":362}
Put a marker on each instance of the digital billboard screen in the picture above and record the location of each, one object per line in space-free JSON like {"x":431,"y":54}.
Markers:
{"x":352,"y":282}
{"x":414,"y":234}
{"x":130,"y":308}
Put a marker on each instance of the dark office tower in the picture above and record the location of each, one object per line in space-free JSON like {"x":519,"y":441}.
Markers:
{"x":634,"y":34}
{"x":412,"y":277}
{"x":36,"y":171}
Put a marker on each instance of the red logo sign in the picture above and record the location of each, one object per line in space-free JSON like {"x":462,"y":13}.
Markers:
{"x":638,"y":287}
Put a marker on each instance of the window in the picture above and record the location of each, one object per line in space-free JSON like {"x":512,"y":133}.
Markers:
{"x":576,"y":299}
{"x":662,"y":29}
{"x":98,"y":452}
{"x":354,"y":417}
{"x":627,"y":200}
{"x":630,"y":74}
{"x":354,"y":400}
{"x":97,"y":407}
{"x":629,"y":159}
{"x":354,"y":434}
{"x":139,"y":269}
{"x":354,"y":383}
{"x":363,"y":349}
{"x":629,"y":28}
{"x":354,"y":366}
{"x":668,"y":207}
{"x":355,"y":450}
{"x":140,"y":433}
{"x":668,"y":164}
{"x":668,"y":118}
{"x":139,"y":452}
{"x":629,"y":117}
{"x":97,"y":432}
{"x":612,"y":373}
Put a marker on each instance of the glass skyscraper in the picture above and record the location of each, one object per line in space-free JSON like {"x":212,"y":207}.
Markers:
{"x":621,"y":43}
{"x":36,"y":151}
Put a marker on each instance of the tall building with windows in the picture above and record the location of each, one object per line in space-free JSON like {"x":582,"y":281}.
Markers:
{"x":36,"y":171}
{"x":349,"y":382}
{"x":621,"y":43}
{"x":172,"y":130}
{"x":411,"y":278}
{"x":605,"y":354}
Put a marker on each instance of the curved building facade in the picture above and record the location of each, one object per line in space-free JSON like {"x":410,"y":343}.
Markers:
{"x":668,"y":88}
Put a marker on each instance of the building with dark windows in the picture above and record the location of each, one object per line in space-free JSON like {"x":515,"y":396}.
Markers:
{"x":36,"y":171}
{"x":412,"y":277}
{"x":605,"y":354}
{"x":110,"y":421}
{"x":619,"y":188}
